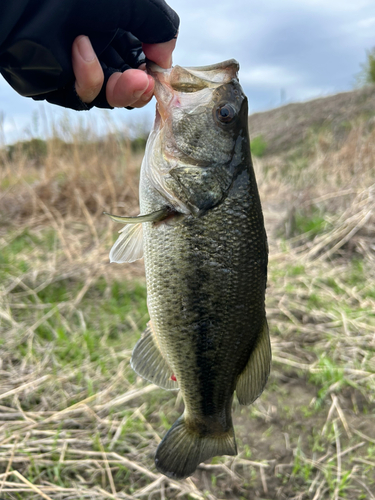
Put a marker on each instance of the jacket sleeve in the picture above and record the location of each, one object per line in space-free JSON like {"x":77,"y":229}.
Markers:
{"x":36,"y":38}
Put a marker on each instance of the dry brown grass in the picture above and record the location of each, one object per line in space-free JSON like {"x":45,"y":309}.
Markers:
{"x":72,"y":180}
{"x":290,"y":125}
{"x":337,"y":182}
{"x":75,"y":423}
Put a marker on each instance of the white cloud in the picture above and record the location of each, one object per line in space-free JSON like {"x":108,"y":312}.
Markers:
{"x":366,"y":23}
{"x":269,"y":76}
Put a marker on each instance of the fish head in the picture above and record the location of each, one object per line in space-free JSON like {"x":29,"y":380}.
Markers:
{"x":201,"y":132}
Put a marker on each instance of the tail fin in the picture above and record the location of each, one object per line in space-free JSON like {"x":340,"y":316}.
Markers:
{"x":182,"y":449}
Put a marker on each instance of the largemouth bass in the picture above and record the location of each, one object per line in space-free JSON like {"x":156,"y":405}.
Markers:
{"x":202,"y":235}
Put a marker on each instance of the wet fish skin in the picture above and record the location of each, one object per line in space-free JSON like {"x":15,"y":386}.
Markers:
{"x":206,"y":269}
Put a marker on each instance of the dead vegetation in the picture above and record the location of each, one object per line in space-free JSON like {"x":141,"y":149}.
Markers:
{"x":75,"y":422}
{"x":290,"y":125}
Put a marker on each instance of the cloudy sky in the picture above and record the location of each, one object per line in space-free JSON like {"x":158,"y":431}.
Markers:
{"x":290,"y":50}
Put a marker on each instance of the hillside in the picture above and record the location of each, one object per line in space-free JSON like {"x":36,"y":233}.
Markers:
{"x":288,"y":126}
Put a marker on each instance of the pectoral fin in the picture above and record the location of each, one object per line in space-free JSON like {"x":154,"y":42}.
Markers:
{"x":149,"y":363}
{"x":129,"y":245}
{"x":252,"y":380}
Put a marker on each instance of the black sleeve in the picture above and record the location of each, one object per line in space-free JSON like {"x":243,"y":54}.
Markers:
{"x":36,"y":38}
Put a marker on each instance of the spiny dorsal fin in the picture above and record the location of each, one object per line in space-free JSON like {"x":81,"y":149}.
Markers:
{"x":149,"y":363}
{"x":252,"y":380}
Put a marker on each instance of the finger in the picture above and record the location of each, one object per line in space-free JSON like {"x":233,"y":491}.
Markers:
{"x":160,"y":53}
{"x":127,"y":88}
{"x":145,"y":98}
{"x":87,"y":69}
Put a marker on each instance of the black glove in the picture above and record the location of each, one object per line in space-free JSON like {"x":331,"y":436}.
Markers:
{"x":36,"y":38}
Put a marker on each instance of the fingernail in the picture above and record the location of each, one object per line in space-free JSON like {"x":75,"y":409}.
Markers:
{"x":138,"y":94}
{"x":147,"y":97}
{"x":85,"y":49}
{"x":149,"y":90}
{"x":151,"y":83}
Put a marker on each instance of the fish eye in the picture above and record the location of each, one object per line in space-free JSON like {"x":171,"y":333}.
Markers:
{"x":225,"y":113}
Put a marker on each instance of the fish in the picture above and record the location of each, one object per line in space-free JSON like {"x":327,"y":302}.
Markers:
{"x":201,"y":232}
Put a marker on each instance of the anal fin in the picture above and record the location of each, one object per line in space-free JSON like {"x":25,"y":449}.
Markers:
{"x":252,"y":380}
{"x":149,"y":363}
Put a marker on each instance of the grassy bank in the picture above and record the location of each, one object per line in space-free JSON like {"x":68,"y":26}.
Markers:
{"x":75,"y":421}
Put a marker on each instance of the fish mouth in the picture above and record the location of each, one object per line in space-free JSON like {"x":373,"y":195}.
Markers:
{"x":163,"y":92}
{"x":187,"y":78}
{"x":169,"y":83}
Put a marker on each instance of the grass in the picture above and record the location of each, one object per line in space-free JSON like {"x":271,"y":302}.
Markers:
{"x":77,"y":423}
{"x":258,"y":146}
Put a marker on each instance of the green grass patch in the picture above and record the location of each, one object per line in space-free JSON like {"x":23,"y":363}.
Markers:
{"x":258,"y":146}
{"x":310,"y":223}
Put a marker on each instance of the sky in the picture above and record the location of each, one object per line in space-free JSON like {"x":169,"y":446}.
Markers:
{"x":289,"y":50}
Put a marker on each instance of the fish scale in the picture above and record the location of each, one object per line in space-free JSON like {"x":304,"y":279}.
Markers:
{"x":205,"y":251}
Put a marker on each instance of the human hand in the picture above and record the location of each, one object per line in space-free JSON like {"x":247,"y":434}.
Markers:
{"x":132,"y":87}
{"x":36,"y":54}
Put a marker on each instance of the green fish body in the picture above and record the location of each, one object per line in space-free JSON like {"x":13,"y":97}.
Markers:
{"x":205,"y":253}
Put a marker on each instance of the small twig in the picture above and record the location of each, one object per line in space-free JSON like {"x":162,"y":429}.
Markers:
{"x":118,"y":432}
{"x":348,"y":450}
{"x":32,"y":486}
{"x":316,"y":479}
{"x":63,"y":451}
{"x":263,"y":479}
{"x":125,"y":398}
{"x":338,"y":450}
{"x":329,"y":416}
{"x":108,"y":469}
{"x":363,"y":436}
{"x":364,"y":461}
{"x":317,"y":495}
{"x":365,"y":487}
{"x":250,"y":462}
{"x":25,"y":386}
{"x":341,"y":415}
{"x":148,"y":425}
{"x":9,"y":464}
{"x":150,"y":487}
